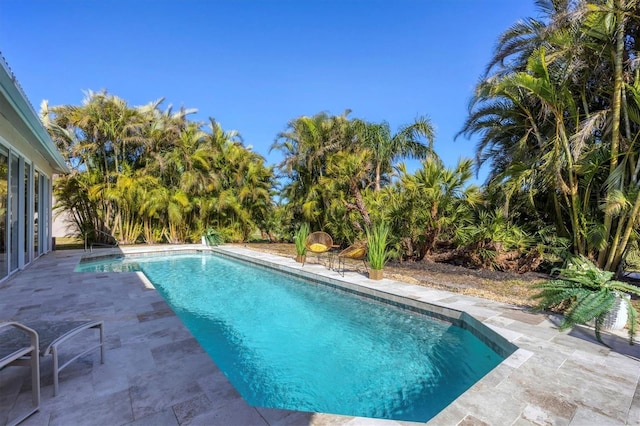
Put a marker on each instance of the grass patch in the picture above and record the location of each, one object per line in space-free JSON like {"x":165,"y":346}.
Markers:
{"x":69,"y":243}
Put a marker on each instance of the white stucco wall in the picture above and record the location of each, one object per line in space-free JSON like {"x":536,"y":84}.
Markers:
{"x":60,"y":226}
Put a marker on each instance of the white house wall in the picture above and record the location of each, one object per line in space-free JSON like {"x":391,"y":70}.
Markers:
{"x":27,"y":155}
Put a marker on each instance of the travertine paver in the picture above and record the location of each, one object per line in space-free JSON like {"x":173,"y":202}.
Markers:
{"x":157,"y":374}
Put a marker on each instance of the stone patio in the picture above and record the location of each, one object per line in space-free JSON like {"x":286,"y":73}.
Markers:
{"x":157,"y":374}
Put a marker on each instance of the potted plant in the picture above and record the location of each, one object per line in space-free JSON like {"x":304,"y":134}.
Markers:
{"x":584,"y":293}
{"x":377,"y":246}
{"x":213,"y":237}
{"x":300,"y":238}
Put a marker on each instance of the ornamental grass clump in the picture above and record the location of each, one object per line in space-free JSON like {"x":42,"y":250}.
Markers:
{"x":583,"y":292}
{"x":300,"y":239}
{"x":377,"y":245}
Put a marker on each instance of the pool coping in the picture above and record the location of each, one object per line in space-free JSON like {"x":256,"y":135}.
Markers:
{"x":553,"y":378}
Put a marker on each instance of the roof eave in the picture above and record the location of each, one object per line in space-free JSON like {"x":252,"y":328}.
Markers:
{"x":15,"y":96}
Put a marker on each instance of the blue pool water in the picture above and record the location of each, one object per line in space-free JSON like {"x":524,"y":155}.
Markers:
{"x":291,"y":344}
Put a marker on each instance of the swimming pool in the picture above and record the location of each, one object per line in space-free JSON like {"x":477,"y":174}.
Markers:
{"x":288,"y":343}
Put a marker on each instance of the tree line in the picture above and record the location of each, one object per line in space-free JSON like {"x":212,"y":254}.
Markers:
{"x":143,"y":174}
{"x":557,"y":114}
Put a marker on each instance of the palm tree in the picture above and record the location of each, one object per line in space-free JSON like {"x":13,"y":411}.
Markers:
{"x":155,"y":173}
{"x":387,"y":148}
{"x":73,"y":193}
{"x":347,"y":178}
{"x":430,"y":203}
{"x":560,"y":125}
{"x":307,"y":144}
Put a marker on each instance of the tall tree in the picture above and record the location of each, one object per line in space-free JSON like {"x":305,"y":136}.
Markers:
{"x":387,"y":148}
{"x":561,"y":126}
{"x":306,"y":144}
{"x":155,"y":175}
{"x":432,"y":202}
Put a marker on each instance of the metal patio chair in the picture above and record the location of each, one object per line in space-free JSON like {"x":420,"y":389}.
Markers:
{"x":23,"y":353}
{"x":50,"y":336}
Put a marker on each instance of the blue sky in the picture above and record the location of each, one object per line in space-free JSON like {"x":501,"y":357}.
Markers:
{"x":255,"y":65}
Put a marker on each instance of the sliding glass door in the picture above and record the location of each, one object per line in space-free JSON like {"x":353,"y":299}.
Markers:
{"x":44,"y":213}
{"x":25,"y":215}
{"x":36,"y":206}
{"x":41,"y":209}
{"x":14,"y":212}
{"x":4,"y":202}
{"x":27,"y":211}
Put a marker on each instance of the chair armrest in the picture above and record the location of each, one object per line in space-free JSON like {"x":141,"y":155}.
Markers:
{"x":21,"y":351}
{"x":25,"y":356}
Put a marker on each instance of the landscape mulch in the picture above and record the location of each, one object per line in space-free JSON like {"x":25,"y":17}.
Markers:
{"x":506,"y":287}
